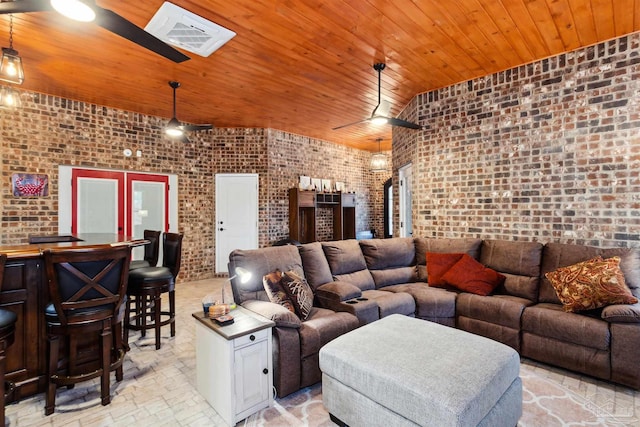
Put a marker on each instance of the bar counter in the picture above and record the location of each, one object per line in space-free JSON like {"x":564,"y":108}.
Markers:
{"x":25,"y":292}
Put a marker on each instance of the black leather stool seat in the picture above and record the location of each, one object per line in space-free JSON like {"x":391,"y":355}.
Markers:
{"x":148,"y":275}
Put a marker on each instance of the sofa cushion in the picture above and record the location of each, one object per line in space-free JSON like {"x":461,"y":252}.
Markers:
{"x":625,"y":313}
{"x":299,"y":292}
{"x":344,"y":256}
{"x":260,"y":262}
{"x":322,"y":326}
{"x":591,"y":284}
{"x":504,"y":310}
{"x":382,"y":254}
{"x":469,"y":246}
{"x":556,"y":255}
{"x":393,"y":276}
{"x":361,"y":279}
{"x":431,"y":303}
{"x":316,"y":267}
{"x":469,"y":275}
{"x":391,"y":302}
{"x":518,"y":261}
{"x":275,"y":290}
{"x":549,"y":320}
{"x":438,"y":264}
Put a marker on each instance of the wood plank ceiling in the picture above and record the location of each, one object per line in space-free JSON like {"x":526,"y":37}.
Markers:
{"x":305,"y":66}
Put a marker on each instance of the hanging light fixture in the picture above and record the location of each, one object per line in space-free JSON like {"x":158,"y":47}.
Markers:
{"x":379,"y":161}
{"x":11,"y":65}
{"x":9,"y":98}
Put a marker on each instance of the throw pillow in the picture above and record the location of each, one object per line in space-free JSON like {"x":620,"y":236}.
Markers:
{"x":591,"y":284}
{"x":272,"y":283}
{"x":437,"y":265}
{"x":299,"y":292}
{"x":471,"y":276}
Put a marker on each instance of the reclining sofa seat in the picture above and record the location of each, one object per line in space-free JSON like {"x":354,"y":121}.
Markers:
{"x":584,"y":342}
{"x":349,"y":270}
{"x":497,"y":316}
{"x":296,"y":343}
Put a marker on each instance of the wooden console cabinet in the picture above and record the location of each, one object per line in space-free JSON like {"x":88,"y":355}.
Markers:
{"x":303,"y":207}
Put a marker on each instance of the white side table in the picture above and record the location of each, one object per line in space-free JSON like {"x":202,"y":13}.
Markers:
{"x":234,"y":364}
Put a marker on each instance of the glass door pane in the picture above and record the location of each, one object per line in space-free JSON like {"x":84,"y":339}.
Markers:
{"x":148,"y":206}
{"x":97,"y":200}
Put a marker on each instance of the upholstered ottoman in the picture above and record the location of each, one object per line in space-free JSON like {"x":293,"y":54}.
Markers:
{"x":401,"y":371}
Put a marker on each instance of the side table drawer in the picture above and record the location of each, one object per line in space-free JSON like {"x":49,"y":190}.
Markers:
{"x":250,"y":338}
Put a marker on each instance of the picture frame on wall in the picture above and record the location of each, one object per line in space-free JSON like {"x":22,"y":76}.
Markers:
{"x":316,"y":184}
{"x":30,"y":185}
{"x":305,"y":183}
{"x":340,"y":186}
{"x":326,"y":185}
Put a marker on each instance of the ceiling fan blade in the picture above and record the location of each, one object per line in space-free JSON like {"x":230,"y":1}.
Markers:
{"x":383,"y":109}
{"x":25,"y":6}
{"x":350,"y":124}
{"x":115,"y":23}
{"x":192,"y":128}
{"x":403,"y":123}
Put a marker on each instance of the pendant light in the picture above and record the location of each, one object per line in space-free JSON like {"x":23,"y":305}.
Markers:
{"x":379,"y":161}
{"x":11,"y":65}
{"x":9,"y":98}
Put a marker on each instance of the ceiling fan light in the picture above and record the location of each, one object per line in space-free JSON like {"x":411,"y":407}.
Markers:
{"x":9,"y":98}
{"x":74,"y":9}
{"x":173,"y":129}
{"x":11,"y":66}
{"x":379,"y":120}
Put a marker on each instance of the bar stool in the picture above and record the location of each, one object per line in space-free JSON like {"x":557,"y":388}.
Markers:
{"x":7,"y":334}
{"x":146,"y":286}
{"x":87,"y":287}
{"x":151,"y":251}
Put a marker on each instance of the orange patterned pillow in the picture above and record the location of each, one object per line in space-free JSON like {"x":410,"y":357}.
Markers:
{"x":591,"y":284}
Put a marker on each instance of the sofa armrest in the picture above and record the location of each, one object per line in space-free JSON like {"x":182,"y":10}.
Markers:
{"x":622,"y":313}
{"x":275,"y":312}
{"x":337,"y":291}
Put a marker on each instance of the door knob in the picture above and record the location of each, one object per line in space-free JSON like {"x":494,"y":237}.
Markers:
{"x":221,"y":229}
{"x":265,"y":371}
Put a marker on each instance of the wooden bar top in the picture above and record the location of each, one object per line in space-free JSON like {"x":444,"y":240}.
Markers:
{"x":87,"y":240}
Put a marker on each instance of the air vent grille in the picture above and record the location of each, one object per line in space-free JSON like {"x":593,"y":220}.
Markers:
{"x":188,"y":31}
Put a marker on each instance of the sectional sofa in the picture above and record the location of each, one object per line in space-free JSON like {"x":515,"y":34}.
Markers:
{"x":357,"y":282}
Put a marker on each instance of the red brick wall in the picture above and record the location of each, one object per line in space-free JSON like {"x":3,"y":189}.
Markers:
{"x":49,"y":131}
{"x":547,"y":151}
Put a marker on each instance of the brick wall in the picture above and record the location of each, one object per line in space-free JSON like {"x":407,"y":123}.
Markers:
{"x":49,"y":131}
{"x":548,"y":151}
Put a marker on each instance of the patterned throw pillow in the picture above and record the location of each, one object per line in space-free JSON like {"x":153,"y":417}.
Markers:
{"x":469,"y":275}
{"x":591,"y":284}
{"x":299,"y":292}
{"x":272,"y":283}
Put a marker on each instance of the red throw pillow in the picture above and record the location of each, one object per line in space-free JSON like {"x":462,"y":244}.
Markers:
{"x":437,"y":265}
{"x":471,"y":276}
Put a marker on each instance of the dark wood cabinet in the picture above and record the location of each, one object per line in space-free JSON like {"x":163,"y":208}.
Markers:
{"x":303,"y":209}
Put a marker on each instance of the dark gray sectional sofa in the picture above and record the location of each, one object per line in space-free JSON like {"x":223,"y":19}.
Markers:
{"x":357,"y":282}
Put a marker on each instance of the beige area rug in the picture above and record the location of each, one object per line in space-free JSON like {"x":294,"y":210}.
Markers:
{"x":551,"y":397}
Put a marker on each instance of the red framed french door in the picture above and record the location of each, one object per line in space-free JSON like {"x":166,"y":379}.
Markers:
{"x":118,"y":202}
{"x":97,"y":201}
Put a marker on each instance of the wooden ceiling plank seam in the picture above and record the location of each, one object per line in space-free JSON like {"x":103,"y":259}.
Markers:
{"x":583,"y":13}
{"x":605,"y":25}
{"x":408,"y":21}
{"x":561,"y":14}
{"x":529,"y":30}
{"x":507,"y":26}
{"x":541,"y":15}
{"x":624,"y":12}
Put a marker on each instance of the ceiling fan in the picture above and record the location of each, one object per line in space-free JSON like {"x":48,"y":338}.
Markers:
{"x":380,"y":114}
{"x":176,"y":130}
{"x":86,"y":11}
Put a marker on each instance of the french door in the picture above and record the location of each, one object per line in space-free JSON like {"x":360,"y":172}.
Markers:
{"x":116,"y":202}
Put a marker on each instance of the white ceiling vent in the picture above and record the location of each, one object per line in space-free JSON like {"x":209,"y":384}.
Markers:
{"x":186,"y":30}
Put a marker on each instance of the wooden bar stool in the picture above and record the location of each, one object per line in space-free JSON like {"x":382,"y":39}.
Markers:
{"x":7,"y":334}
{"x":151,"y":251}
{"x":146,"y":286}
{"x":87,"y":287}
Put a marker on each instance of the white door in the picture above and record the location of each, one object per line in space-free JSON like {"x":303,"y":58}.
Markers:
{"x":236,"y":215}
{"x":405,"y":200}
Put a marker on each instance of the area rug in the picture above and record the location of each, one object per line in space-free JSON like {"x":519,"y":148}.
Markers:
{"x":551,"y":397}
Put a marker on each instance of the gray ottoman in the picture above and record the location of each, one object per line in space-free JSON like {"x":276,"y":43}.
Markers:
{"x":402,"y":371}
